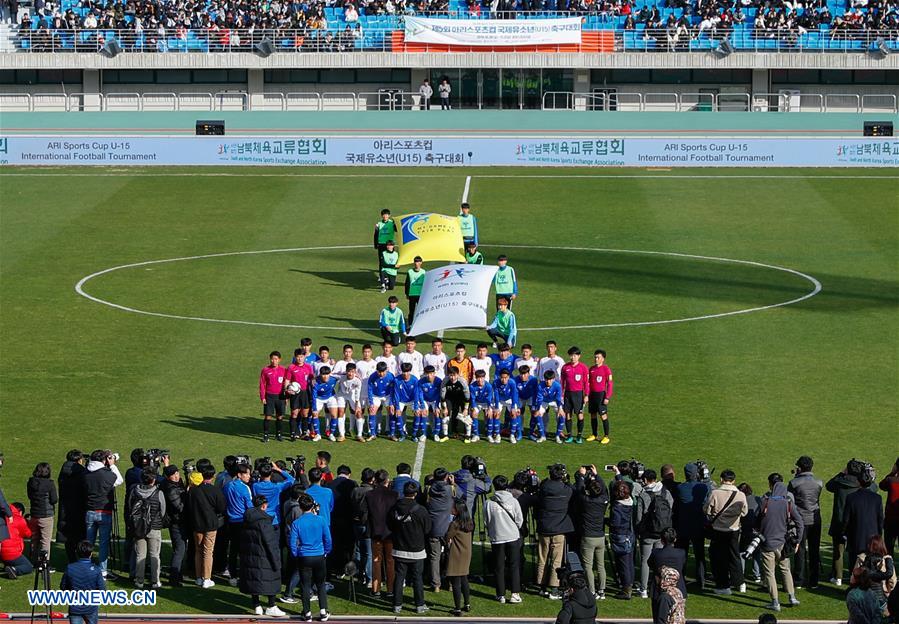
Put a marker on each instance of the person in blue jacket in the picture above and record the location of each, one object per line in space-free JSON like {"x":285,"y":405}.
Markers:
{"x":272,"y":491}
{"x":380,"y":394}
{"x":310,"y":543}
{"x":549,"y":394}
{"x":83,"y":574}
{"x":507,"y":401}
{"x":404,"y":388}
{"x":482,"y":399}
{"x":323,"y":497}
{"x":239,"y":498}
{"x":527,"y":394}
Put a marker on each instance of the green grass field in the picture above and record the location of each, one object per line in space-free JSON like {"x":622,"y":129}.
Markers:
{"x":749,"y":391}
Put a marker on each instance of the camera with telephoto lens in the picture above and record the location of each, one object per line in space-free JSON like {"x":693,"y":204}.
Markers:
{"x":705,"y":473}
{"x":296,"y":465}
{"x":751,"y":547}
{"x":188,"y":466}
{"x":861,"y":470}
{"x":153,"y":457}
{"x":637,"y":468}
{"x":479,"y":469}
{"x":528,"y":479}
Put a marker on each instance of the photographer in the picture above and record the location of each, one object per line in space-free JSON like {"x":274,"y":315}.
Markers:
{"x":260,"y":558}
{"x":267,"y":487}
{"x":622,"y":537}
{"x":593,"y":500}
{"x":471,"y":481}
{"x":71,"y":528}
{"x":553,"y":524}
{"x":439,"y":502}
{"x":579,"y":605}
{"x":689,"y":519}
{"x":176,"y":520}
{"x":841,"y":486}
{"x":890,"y":485}
{"x":862,"y":514}
{"x":725,"y":508}
{"x":503,"y":517}
{"x":777,"y":515}
{"x":653,"y":514}
{"x":747,"y":530}
{"x":99,"y":483}
{"x":13,"y":547}
{"x":238,"y":500}
{"x":145,"y":513}
{"x":409,"y":524}
{"x":806,"y":490}
{"x":42,"y":498}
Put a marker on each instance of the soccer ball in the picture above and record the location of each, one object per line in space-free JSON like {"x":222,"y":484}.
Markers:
{"x":293,"y":388}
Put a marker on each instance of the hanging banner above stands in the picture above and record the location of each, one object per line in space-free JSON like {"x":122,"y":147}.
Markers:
{"x":478,"y":32}
{"x":453,"y":296}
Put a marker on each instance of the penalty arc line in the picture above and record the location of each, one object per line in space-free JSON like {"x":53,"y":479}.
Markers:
{"x":80,"y":288}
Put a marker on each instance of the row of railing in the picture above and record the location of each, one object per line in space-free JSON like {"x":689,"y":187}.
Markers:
{"x":396,"y":100}
{"x":381,"y":39}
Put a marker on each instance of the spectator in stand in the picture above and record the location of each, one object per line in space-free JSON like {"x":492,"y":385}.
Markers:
{"x":409,"y":524}
{"x":440,"y":506}
{"x":207,"y":505}
{"x":553,"y":524}
{"x":881,"y":569}
{"x":806,"y":490}
{"x":260,"y":558}
{"x":83,"y":575}
{"x":689,"y":519}
{"x":176,"y":520}
{"x":622,"y":537}
{"x":71,"y":528}
{"x":667,"y":556}
{"x":350,"y":14}
{"x":146,"y":511}
{"x":890,"y":485}
{"x":503,"y":518}
{"x":425,"y":92}
{"x":777,"y":511}
{"x":726,"y":506}
{"x":378,"y":503}
{"x":444,"y":89}
{"x":13,"y":547}
{"x":458,"y":546}
{"x":592,"y":502}
{"x":42,"y":498}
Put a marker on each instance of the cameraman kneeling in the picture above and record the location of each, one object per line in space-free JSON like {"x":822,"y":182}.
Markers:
{"x":579,"y":605}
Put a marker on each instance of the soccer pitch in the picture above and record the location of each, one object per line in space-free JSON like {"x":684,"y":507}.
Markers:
{"x":605,"y":259}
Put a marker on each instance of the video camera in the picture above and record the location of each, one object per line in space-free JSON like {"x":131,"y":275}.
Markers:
{"x":861,"y":470}
{"x":478,"y":468}
{"x":637,"y":468}
{"x":571,"y":568}
{"x":242,"y":460}
{"x":528,"y":480}
{"x":705,"y":473}
{"x":296,"y":465}
{"x":188,"y":466}
{"x":153,"y":457}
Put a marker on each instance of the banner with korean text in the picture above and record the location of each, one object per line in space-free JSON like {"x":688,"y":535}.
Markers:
{"x":465,"y":32}
{"x":453,"y":296}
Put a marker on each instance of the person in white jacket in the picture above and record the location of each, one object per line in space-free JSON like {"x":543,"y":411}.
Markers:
{"x":503,"y":516}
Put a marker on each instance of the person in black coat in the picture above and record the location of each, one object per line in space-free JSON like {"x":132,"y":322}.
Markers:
{"x":579,"y":605}
{"x":862,"y":519}
{"x":260,"y":558}
{"x":553,"y":523}
{"x":342,"y":519}
{"x":70,"y":529}
{"x":176,"y":520}
{"x":668,"y":556}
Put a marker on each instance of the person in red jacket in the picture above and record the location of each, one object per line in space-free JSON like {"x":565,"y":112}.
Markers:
{"x":890,"y":485}
{"x":11,"y":549}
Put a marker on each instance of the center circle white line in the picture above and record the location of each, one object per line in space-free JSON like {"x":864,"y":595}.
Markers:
{"x":79,"y":287}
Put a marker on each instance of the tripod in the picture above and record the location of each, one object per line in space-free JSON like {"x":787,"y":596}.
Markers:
{"x":480,"y":524}
{"x":115,"y":558}
{"x":42,"y":578}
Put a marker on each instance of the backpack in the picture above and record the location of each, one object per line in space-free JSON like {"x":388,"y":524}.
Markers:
{"x":657,"y":517}
{"x":140,"y":516}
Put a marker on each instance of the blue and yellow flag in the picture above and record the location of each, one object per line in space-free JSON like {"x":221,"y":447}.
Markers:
{"x":429,"y":235}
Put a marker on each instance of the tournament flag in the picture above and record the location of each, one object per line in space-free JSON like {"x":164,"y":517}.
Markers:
{"x":429,"y":235}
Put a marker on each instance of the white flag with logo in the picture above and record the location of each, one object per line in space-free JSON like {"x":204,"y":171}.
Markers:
{"x":453,"y":296}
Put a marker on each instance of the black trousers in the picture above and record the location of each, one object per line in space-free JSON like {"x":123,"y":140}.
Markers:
{"x":179,"y":548}
{"x":461,"y":591}
{"x":413,"y":303}
{"x":697,"y":541}
{"x":506,"y":564}
{"x":313,"y":572}
{"x":497,"y":337}
{"x":727,"y":565}
{"x":234,"y":529}
{"x":413,"y":569}
{"x":808,"y":558}
{"x":394,"y":338}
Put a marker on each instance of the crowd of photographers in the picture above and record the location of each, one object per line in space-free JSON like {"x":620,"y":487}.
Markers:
{"x":279,"y":531}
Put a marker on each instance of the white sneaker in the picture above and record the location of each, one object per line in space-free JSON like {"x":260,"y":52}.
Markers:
{"x":332,"y":438}
{"x":258,"y":610}
{"x":541,"y":439}
{"x":513,"y":439}
{"x":559,"y":440}
{"x":324,"y":615}
{"x":515,"y":599}
{"x":275,"y":612}
{"x":475,"y":439}
{"x":501,"y":599}
{"x":742,"y":588}
{"x":644,"y":593}
{"x":836,"y":581}
{"x":156,"y":586}
{"x":423,"y":438}
{"x":436,"y":438}
{"x":317,"y":438}
{"x":207,"y":583}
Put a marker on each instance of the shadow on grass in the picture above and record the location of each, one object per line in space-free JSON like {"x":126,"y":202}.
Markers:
{"x":358,"y":279}
{"x":236,"y":426}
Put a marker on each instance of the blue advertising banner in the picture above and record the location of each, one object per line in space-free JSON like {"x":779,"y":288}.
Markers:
{"x":546,"y":151}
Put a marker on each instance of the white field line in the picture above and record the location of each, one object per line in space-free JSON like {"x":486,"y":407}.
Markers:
{"x":816,"y":288}
{"x":466,"y":189}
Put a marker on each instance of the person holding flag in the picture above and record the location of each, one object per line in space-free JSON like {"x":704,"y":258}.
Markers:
{"x":468,"y":223}
{"x":505,"y":282}
{"x":415,"y":279}
{"x":392,"y":322}
{"x":504,"y":328}
{"x":385,"y":230}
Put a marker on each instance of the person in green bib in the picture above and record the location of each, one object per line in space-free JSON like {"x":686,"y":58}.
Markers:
{"x":472,"y":255}
{"x":505,"y":282}
{"x":415,"y":279}
{"x":504,"y":328}
{"x":469,"y":224}
{"x":385,"y":230}
{"x":392,"y":322}
{"x":389,"y":258}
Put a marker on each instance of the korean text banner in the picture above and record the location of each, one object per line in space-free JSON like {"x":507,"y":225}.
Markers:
{"x":429,"y":235}
{"x":588,"y":150}
{"x":453,"y":296}
{"x":493,"y":32}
